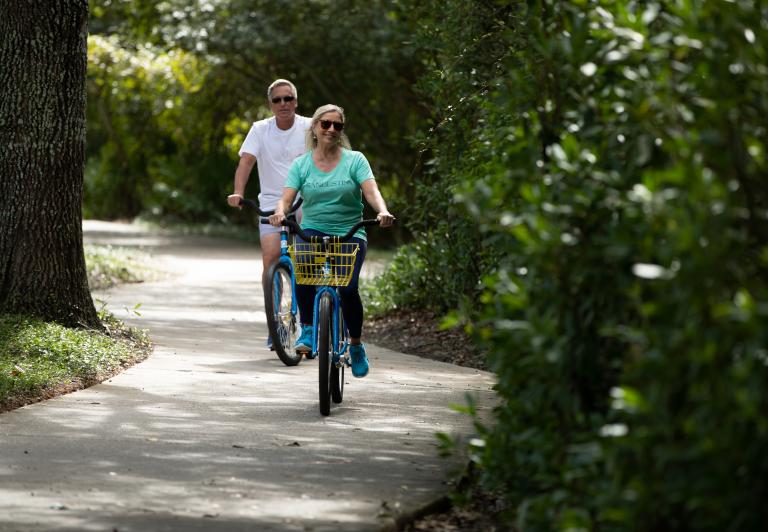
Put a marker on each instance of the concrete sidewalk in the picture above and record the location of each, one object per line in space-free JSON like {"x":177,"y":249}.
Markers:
{"x":214,"y":433}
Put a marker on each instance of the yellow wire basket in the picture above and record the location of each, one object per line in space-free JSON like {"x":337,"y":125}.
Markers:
{"x":309,"y":263}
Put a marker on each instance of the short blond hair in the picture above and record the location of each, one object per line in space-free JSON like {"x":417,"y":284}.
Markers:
{"x":278,"y":83}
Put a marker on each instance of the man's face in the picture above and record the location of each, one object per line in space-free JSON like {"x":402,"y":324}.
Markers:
{"x":280,"y":108}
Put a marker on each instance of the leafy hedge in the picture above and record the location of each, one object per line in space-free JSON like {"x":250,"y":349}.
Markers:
{"x":604,"y":165}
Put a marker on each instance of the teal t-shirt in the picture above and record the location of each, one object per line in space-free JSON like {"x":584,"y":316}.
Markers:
{"x":333,"y":201}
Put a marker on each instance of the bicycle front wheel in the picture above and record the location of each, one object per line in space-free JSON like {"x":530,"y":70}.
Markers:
{"x":281,"y":318}
{"x":325,"y":352}
{"x":337,"y":372}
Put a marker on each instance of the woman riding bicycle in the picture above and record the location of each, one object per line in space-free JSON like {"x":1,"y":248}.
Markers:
{"x":332,"y":179}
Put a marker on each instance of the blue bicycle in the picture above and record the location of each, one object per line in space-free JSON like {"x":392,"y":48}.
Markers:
{"x":280,"y":293}
{"x":327,"y":263}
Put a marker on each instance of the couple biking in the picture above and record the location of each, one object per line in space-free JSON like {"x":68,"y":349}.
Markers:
{"x":313,"y":157}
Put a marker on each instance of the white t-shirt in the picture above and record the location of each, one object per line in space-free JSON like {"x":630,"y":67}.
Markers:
{"x":274,"y":149}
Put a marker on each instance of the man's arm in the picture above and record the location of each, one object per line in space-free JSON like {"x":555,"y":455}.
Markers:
{"x":242,"y":175}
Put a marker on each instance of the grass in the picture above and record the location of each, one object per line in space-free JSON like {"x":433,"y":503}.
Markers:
{"x":109,"y":266}
{"x":39,"y":360}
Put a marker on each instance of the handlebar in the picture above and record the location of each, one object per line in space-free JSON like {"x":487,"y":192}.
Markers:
{"x":250,"y":203}
{"x":291,"y":222}
{"x":312,"y":238}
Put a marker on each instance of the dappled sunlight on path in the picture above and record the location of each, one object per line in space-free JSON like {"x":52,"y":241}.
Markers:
{"x":213,"y":432}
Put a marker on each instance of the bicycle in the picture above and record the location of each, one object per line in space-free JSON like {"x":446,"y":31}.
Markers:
{"x":279,"y":301}
{"x":328,"y":263}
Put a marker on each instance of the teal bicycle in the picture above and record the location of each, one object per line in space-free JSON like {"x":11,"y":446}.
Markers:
{"x":327,"y":262}
{"x":280,"y":293}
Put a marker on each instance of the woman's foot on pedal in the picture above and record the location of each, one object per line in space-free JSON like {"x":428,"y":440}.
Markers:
{"x":360,"y":364}
{"x":304,"y":343}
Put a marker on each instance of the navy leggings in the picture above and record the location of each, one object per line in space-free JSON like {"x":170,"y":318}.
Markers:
{"x":351,"y":305}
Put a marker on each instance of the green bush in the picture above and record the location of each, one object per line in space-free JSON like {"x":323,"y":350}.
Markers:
{"x":612,"y":158}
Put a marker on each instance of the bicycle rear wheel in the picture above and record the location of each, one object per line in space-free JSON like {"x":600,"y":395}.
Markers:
{"x":325,"y":352}
{"x":281,"y":319}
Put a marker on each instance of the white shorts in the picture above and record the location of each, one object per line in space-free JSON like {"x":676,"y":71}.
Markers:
{"x":269,"y":229}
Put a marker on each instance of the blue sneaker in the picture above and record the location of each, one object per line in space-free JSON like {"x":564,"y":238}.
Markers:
{"x":359,"y":360}
{"x":304,"y":343}
{"x":269,"y":343}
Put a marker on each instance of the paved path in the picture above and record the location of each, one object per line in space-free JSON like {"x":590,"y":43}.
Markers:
{"x":214,"y":433}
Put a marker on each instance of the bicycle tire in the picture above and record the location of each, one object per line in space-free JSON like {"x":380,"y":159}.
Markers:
{"x":337,"y":372}
{"x":282,"y":322}
{"x":324,"y":349}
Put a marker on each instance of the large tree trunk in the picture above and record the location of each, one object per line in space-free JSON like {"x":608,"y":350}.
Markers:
{"x":43,"y":58}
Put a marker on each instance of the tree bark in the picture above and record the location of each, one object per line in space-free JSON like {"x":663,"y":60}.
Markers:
{"x":43,"y":58}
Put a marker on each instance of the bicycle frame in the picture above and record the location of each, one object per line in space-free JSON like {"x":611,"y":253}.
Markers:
{"x":338,"y":341}
{"x":340,"y":345}
{"x":285,"y":258}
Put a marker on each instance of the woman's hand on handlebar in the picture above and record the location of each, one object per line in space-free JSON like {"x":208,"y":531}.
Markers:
{"x":289,"y":194}
{"x":277,"y":218}
{"x":385,"y":219}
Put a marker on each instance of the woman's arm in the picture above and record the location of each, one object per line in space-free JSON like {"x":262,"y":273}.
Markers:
{"x":375,"y":200}
{"x":289,"y":194}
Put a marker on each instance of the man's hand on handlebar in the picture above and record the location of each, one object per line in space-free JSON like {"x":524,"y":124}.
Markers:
{"x":385,"y":219}
{"x":233,"y":200}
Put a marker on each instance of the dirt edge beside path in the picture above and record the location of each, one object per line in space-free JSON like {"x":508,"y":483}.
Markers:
{"x":419,"y":333}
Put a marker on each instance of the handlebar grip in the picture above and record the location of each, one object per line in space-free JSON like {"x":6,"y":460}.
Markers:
{"x":358,"y":225}
{"x":248,"y":203}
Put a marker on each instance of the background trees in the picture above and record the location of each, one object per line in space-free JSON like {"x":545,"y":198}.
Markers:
{"x":42,"y":135}
{"x":174,"y":87}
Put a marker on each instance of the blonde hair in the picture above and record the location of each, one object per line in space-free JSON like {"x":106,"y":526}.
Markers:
{"x":311,"y":140}
{"x":278,"y":83}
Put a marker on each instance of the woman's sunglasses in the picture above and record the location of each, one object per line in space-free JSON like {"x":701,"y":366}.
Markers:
{"x":326,"y":124}
{"x":286,"y":99}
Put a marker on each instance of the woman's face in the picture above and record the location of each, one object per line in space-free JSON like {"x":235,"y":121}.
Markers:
{"x":328,"y":128}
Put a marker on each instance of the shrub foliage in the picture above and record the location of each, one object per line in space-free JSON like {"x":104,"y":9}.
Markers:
{"x":603,"y":166}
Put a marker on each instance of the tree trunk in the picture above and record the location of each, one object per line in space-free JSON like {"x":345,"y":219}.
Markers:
{"x":43,"y":58}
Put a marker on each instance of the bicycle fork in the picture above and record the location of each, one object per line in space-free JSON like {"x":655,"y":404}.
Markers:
{"x":337,"y":323}
{"x":285,"y":258}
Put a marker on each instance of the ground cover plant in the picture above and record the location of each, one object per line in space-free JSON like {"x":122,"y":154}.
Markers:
{"x":108,"y":266}
{"x":40,"y":360}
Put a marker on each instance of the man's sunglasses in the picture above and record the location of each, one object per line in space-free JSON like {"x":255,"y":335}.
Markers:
{"x":326,"y":124}
{"x":285,"y":99}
